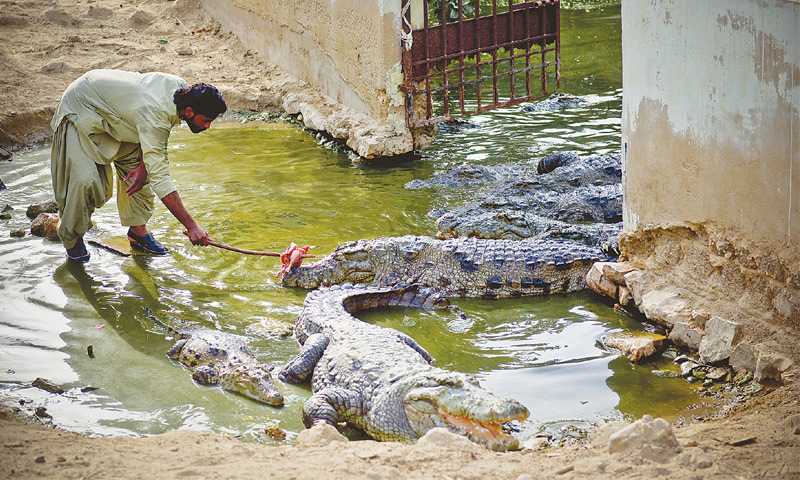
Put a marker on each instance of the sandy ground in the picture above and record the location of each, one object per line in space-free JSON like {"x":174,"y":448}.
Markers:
{"x":47,"y":44}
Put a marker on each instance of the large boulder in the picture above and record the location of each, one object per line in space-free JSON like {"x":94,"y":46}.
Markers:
{"x":719,"y":339}
{"x":665,"y":307}
{"x":651,"y":438}
{"x":684,"y":335}
{"x":319,"y":435}
{"x":639,"y":345}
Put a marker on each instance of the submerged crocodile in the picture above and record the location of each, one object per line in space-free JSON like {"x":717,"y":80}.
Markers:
{"x":455,"y":267}
{"x":223,"y":359}
{"x":557,"y":172}
{"x":380,"y":380}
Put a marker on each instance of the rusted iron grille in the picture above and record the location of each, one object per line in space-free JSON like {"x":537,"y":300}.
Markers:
{"x":482,"y":56}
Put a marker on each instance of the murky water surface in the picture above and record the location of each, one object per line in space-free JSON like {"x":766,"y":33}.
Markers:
{"x":262,"y":186}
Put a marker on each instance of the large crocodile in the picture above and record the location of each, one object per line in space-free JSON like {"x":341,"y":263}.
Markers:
{"x":455,"y":267}
{"x":223,"y":359}
{"x":380,"y":380}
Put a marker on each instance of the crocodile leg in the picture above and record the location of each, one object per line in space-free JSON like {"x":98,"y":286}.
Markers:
{"x":332,"y":405}
{"x":175,"y":351}
{"x":302,"y":366}
{"x":205,"y":375}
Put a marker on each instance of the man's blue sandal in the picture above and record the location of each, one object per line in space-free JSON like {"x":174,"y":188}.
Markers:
{"x":78,"y":252}
{"x":147,"y":243}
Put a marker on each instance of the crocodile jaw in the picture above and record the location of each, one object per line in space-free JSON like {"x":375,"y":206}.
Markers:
{"x":466,"y":410}
{"x":261,"y":389}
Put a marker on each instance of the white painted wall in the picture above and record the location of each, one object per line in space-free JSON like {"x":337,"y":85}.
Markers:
{"x":711,"y":129}
{"x":349,"y":49}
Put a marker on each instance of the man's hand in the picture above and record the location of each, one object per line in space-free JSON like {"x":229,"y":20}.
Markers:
{"x":139,"y":175}
{"x":198,"y":236}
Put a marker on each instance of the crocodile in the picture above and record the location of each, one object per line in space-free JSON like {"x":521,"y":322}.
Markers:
{"x":380,"y":380}
{"x":455,"y":267}
{"x":224,"y":359}
{"x":557,"y":172}
{"x":519,"y":224}
{"x":557,"y":101}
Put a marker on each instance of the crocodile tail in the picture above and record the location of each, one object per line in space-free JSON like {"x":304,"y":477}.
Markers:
{"x":152,"y":316}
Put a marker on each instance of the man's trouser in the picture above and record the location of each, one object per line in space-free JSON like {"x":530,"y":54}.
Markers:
{"x":81,"y":185}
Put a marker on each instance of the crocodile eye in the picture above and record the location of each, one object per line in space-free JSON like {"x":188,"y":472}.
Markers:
{"x":357,"y":255}
{"x":409,"y":254}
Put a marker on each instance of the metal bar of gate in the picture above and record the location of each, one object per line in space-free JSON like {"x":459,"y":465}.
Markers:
{"x":436,"y":47}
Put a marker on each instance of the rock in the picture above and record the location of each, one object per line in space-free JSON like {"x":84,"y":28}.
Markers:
{"x":2,"y":185}
{"x":688,"y":367}
{"x":625,"y":296}
{"x":599,"y":282}
{"x":59,"y":16}
{"x":49,"y":206}
{"x":274,"y":431}
{"x":683,"y":335}
{"x":47,"y":385}
{"x":46,"y":225}
{"x":5,"y":154}
{"x":319,"y":435}
{"x":12,"y":21}
{"x":771,"y":367}
{"x":442,"y":438}
{"x":638,"y":345}
{"x":791,"y":425}
{"x":141,"y":19}
{"x":616,"y":271}
{"x":601,"y":435}
{"x":184,"y":50}
{"x":651,"y":438}
{"x":18,"y":233}
{"x":99,"y":12}
{"x":637,"y":282}
{"x":5,"y":212}
{"x":54,"y":67}
{"x":535,"y":443}
{"x":695,"y":458}
{"x":744,"y":358}
{"x":720,"y":336}
{"x":665,"y":307}
{"x":718,"y":374}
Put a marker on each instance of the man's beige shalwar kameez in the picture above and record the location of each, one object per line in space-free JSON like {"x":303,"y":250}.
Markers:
{"x":105,"y":117}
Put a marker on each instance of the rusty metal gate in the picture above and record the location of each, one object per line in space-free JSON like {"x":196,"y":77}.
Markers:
{"x":470,"y":56}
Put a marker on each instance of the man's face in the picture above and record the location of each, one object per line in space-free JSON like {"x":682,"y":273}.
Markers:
{"x":197,"y":122}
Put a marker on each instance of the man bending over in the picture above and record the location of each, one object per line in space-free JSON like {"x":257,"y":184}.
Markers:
{"x":124,"y":118}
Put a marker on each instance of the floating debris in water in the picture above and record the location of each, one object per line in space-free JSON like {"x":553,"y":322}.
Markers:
{"x":47,"y":385}
{"x":275,"y":431}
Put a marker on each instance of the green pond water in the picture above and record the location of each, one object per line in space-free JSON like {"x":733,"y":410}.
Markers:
{"x":260,"y":186}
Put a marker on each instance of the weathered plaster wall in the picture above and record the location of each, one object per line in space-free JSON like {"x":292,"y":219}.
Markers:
{"x":348,"y":49}
{"x":711,"y":129}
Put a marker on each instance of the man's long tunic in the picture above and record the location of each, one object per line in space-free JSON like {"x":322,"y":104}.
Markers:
{"x":105,"y":117}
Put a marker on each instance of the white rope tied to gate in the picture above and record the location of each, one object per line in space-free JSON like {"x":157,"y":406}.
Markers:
{"x":406,"y":38}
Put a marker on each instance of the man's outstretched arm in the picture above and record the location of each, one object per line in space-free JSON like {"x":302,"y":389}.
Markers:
{"x":197,"y":235}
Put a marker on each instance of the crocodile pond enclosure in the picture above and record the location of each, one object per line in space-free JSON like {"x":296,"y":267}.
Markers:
{"x":260,"y":186}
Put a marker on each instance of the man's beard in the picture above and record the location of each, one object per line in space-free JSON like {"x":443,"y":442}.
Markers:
{"x":194,"y":128}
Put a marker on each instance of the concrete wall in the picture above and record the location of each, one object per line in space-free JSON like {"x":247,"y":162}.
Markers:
{"x":349,"y":49}
{"x":710,"y":127}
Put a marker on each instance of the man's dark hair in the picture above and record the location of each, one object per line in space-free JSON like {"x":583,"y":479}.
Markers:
{"x":202,"y":98}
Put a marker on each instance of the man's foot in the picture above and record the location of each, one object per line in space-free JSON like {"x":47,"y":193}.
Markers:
{"x":78,"y":252}
{"x":147,"y":243}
